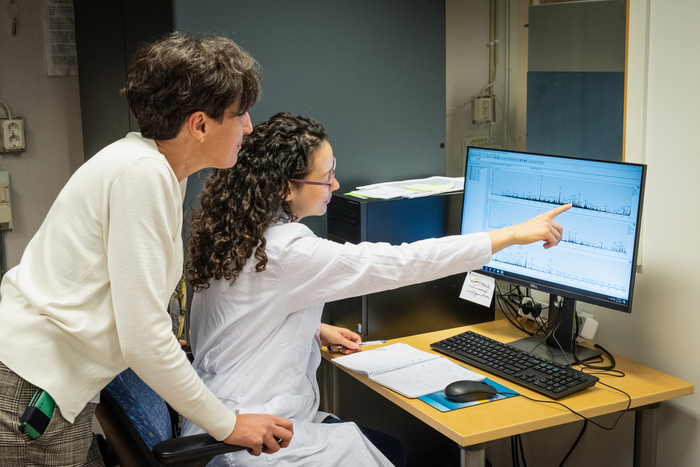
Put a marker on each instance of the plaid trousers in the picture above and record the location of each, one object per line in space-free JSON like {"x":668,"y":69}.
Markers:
{"x":63,"y":444}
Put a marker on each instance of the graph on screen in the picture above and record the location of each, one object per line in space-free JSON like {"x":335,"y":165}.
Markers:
{"x":597,"y":247}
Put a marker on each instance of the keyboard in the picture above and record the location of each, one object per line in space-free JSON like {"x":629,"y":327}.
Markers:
{"x":536,"y":373}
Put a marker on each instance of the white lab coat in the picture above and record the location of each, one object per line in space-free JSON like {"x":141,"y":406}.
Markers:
{"x":256,"y":343}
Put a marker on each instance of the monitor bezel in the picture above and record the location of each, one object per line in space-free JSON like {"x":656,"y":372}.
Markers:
{"x":554,"y":288}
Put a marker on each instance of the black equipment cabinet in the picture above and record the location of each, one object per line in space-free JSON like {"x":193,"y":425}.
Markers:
{"x":413,"y":309}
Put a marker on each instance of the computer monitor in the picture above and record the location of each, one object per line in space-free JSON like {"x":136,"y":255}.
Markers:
{"x":595,"y":261}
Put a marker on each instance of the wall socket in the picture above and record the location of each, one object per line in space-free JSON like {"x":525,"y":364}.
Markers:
{"x":483,"y":110}
{"x":12,"y":135}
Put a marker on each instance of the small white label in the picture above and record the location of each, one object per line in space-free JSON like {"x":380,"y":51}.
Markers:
{"x":478,"y":288}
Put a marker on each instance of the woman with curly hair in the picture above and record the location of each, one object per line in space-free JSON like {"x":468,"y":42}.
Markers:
{"x":88,"y":299}
{"x":262,"y":279}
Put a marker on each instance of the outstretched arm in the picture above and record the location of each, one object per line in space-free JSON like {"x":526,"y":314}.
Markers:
{"x":540,"y":228}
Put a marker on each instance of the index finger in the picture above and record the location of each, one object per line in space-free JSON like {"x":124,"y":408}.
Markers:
{"x":558,"y":210}
{"x":349,"y":335}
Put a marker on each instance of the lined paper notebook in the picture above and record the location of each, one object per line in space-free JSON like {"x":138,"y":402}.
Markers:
{"x":407,"y":370}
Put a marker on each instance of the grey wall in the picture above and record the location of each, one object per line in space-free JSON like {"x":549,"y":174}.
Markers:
{"x":582,"y":36}
{"x":372,"y":72}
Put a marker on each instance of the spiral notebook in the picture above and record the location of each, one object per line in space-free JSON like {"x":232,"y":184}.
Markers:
{"x":407,"y":370}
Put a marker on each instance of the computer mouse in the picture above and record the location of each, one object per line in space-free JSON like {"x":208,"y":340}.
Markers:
{"x":468,"y":391}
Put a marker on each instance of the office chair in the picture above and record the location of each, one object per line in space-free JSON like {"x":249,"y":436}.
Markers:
{"x":142,"y":429}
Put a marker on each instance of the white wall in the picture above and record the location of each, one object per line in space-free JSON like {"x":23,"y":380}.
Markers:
{"x":51,"y":110}
{"x":661,"y":331}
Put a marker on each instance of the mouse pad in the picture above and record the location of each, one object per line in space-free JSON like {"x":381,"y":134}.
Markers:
{"x":440,"y":402}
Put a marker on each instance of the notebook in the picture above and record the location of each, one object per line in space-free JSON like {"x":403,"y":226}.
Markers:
{"x":407,"y":370}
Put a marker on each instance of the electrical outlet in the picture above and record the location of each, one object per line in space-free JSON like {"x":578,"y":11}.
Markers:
{"x":587,"y":324}
{"x":482,"y":110}
{"x":12,"y":134}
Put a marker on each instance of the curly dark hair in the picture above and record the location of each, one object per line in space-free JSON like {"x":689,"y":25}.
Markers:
{"x":240,"y":203}
{"x":178,"y":75}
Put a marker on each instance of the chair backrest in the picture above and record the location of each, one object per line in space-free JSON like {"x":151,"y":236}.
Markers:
{"x":134,"y":419}
{"x":146,"y":409}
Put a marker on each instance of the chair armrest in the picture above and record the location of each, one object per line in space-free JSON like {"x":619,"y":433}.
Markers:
{"x":191,"y":451}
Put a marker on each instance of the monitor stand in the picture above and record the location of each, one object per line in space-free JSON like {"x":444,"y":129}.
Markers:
{"x":559,"y":345}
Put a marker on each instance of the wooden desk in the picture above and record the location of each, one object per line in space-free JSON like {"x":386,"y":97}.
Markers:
{"x":472,"y":427}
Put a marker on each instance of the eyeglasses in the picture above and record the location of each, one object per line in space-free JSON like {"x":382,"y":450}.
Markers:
{"x":329,"y":183}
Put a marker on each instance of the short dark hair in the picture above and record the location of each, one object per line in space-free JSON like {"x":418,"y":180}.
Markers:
{"x":172,"y":78}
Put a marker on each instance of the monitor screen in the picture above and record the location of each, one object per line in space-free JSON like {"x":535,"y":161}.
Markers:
{"x":595,"y":261}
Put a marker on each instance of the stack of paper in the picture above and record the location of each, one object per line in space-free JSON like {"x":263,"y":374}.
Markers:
{"x":409,"y":188}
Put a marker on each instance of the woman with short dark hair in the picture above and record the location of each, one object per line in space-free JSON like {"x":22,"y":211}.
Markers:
{"x":88,"y":298}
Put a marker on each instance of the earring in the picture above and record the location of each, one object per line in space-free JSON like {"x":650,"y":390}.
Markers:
{"x":201,"y":140}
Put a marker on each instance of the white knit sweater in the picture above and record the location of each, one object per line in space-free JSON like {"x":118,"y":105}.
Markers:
{"x":88,"y":298}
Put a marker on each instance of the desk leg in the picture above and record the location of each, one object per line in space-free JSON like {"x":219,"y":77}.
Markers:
{"x":645,"y":432}
{"x":473,"y":456}
{"x":335,"y":390}
{"x":329,"y":386}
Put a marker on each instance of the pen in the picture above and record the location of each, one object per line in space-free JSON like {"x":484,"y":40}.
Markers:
{"x":334,"y":348}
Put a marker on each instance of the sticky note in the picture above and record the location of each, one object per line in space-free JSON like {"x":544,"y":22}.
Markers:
{"x":478,"y":288}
